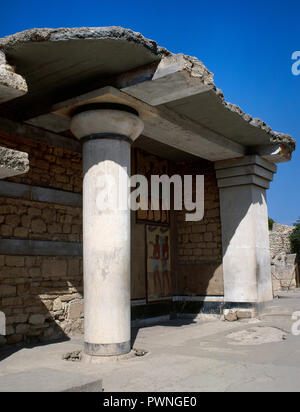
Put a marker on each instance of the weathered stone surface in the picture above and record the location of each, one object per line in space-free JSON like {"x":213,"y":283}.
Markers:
{"x":245,"y":313}
{"x":57,"y":305}
{"x":256,"y":336}
{"x":230,"y":315}
{"x":12,"y":85}
{"x":280,"y":239}
{"x":76,"y":310}
{"x":12,"y":162}
{"x":37,"y":319}
{"x":66,"y":34}
{"x":283,"y":269}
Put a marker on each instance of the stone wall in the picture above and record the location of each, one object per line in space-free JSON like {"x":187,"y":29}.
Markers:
{"x":49,"y":166}
{"x":280,"y":239}
{"x":284,"y":272}
{"x":200,"y":243}
{"x":283,"y":263}
{"x":25,"y":219}
{"x":41,"y":297}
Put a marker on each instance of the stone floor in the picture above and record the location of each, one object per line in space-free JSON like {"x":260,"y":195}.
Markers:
{"x":184,"y":355}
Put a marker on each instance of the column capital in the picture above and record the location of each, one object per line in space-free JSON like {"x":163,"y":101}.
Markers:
{"x":106,"y":120}
{"x":248,"y":170}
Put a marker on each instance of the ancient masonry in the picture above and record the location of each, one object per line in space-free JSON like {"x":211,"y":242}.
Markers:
{"x":75,"y":118}
{"x":283,"y":262}
{"x":280,"y":239}
{"x":41,"y":296}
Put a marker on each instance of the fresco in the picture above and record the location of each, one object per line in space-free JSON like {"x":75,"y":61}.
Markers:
{"x":148,"y":165}
{"x":158,"y":263}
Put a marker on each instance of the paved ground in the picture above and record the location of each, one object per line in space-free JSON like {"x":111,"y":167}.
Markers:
{"x":184,"y":355}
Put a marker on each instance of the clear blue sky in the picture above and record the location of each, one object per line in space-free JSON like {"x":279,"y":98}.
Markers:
{"x":247,"y":44}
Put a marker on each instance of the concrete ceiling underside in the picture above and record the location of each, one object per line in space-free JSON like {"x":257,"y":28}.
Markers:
{"x":58,"y":70}
{"x":208,"y":110}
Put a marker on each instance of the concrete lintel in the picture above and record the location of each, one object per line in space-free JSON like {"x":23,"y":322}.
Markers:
{"x":191,"y":137}
{"x":177,"y":76}
{"x":243,"y":180}
{"x":50,"y":121}
{"x":163,"y":125}
{"x":245,"y":170}
{"x":106,"y":94}
{"x":246,"y":160}
{"x":278,"y":153}
{"x":12,"y":163}
{"x":39,"y":248}
{"x":40,"y":194}
{"x":12,"y":128}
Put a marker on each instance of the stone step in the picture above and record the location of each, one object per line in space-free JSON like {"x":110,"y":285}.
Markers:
{"x":49,"y":380}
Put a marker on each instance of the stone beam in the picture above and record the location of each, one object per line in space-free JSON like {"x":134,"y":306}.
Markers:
{"x":163,"y":125}
{"x":12,"y":128}
{"x":177,"y":76}
{"x":277,"y":153}
{"x":12,"y":85}
{"x":12,"y":163}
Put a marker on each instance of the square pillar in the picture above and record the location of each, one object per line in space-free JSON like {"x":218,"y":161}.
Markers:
{"x":245,"y":233}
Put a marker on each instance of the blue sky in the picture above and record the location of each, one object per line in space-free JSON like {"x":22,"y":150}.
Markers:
{"x":247,"y":44}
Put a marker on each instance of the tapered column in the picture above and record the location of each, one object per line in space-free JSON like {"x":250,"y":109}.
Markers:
{"x":107,"y":133}
{"x":244,"y":216}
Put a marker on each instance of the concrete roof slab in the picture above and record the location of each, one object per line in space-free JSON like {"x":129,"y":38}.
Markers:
{"x":60,"y":63}
{"x":12,"y":163}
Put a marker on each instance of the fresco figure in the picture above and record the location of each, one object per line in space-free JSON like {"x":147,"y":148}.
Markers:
{"x":155,"y":263}
{"x":165,"y":255}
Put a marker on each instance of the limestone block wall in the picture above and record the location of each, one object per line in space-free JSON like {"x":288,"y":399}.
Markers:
{"x":50,"y":166}
{"x":41,"y":273}
{"x":284,"y":270}
{"x":283,"y":263}
{"x":199,"y":244}
{"x":26,"y":219}
{"x":41,"y":297}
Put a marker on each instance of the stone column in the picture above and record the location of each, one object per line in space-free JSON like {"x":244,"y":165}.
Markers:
{"x":245,"y":235}
{"x":107,"y":131}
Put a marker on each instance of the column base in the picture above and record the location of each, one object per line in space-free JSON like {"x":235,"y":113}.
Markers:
{"x":110,"y":349}
{"x":258,"y":308}
{"x":90,"y":359}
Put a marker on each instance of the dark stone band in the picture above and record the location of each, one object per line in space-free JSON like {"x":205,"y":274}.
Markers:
{"x":108,"y":349}
{"x":104,"y":106}
{"x":112,"y":136}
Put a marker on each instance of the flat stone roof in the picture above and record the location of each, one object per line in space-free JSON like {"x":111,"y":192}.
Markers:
{"x":12,"y":163}
{"x":62,"y":63}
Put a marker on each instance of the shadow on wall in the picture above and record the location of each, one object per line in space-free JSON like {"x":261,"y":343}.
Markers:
{"x":41,"y":298}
